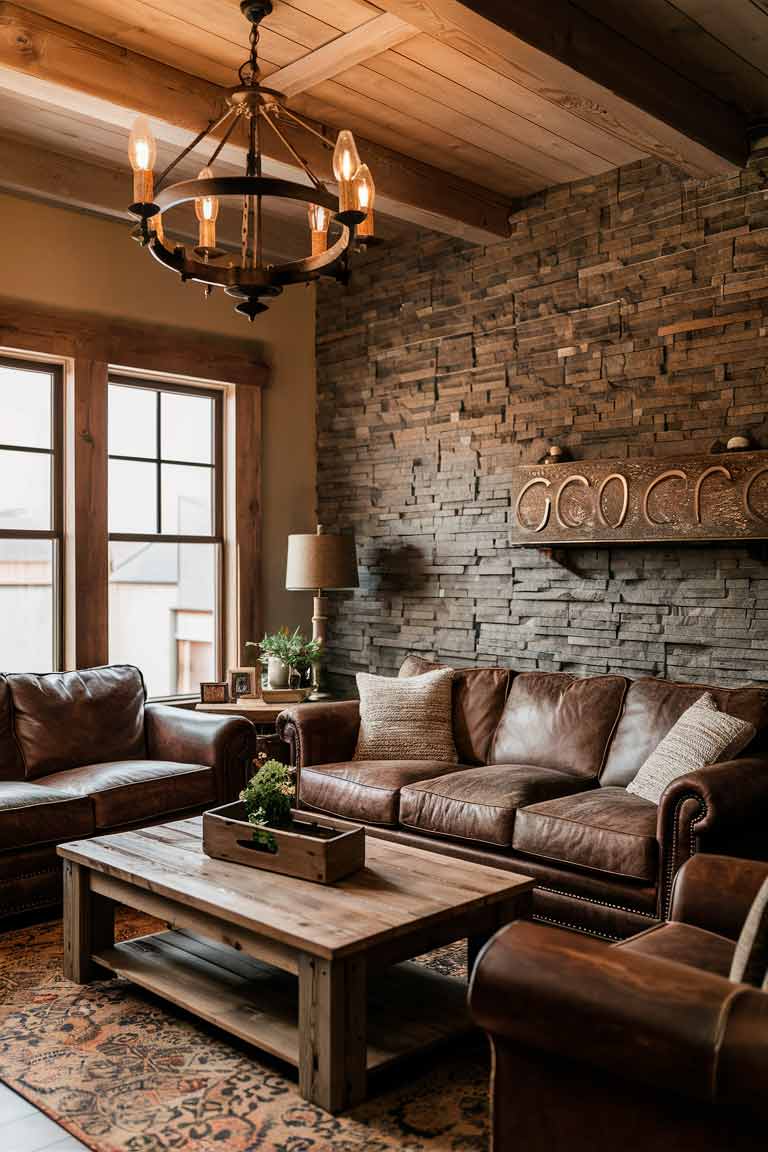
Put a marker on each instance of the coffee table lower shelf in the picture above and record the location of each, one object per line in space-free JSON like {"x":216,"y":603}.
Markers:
{"x":410,"y":1007}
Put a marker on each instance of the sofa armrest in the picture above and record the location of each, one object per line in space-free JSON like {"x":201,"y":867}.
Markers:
{"x":227,"y":744}
{"x":716,"y":892}
{"x":322,"y":733}
{"x":650,"y":1020}
{"x":722,"y":808}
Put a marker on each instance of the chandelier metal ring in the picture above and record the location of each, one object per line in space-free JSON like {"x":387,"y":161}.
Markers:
{"x":290,"y":272}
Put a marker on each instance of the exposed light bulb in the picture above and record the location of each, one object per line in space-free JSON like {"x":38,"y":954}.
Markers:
{"x":346,"y":162}
{"x":365,"y":195}
{"x":319,"y":222}
{"x":142,"y":153}
{"x":207,"y":211}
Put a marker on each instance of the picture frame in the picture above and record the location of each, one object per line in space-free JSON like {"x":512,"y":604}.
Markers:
{"x":214,"y":692}
{"x":241,"y":682}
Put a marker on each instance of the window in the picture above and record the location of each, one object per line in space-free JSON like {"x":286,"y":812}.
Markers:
{"x":165,"y":532}
{"x":30,"y":516}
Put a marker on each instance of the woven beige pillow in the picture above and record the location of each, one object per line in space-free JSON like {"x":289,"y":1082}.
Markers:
{"x":407,"y":718}
{"x":702,"y":735}
{"x":750,"y":960}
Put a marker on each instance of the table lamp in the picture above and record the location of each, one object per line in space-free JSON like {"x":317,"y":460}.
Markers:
{"x":319,"y":562}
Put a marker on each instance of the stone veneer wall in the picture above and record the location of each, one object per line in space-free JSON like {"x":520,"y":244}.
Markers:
{"x":626,"y":316}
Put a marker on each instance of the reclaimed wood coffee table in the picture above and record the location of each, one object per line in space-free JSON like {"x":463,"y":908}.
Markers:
{"x":318,"y":975}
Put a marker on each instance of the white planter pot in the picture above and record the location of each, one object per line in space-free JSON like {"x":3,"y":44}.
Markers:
{"x":277,"y":673}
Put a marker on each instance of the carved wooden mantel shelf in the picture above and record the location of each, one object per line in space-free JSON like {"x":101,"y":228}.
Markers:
{"x":637,"y":501}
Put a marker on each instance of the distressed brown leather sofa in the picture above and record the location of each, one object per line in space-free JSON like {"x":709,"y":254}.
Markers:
{"x":642,"y":1045}
{"x":82,"y":754}
{"x":545,"y":758}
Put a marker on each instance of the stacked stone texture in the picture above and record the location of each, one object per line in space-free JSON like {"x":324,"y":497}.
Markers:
{"x":627,"y":315}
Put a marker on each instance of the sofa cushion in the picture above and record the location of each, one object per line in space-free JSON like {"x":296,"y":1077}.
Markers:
{"x":32,"y":814}
{"x":478,"y":701}
{"x":606,"y":830}
{"x":129,"y":791}
{"x":11,"y":763}
{"x":686,"y":944}
{"x":367,"y":790}
{"x":559,"y":721}
{"x":406,"y":719}
{"x":65,"y":719}
{"x":703,"y":735}
{"x":479,"y":804}
{"x":653,"y":706}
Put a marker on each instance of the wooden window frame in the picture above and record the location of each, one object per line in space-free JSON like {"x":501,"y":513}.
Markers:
{"x":217,"y":467}
{"x":90,"y":344}
{"x":56,"y":532}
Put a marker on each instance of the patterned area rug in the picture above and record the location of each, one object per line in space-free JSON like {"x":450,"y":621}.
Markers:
{"x":124,"y":1072}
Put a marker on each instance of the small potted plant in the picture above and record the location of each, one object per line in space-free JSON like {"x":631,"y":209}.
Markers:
{"x":268,"y":798}
{"x":311,"y":655}
{"x":288,"y":654}
{"x":280,"y":651}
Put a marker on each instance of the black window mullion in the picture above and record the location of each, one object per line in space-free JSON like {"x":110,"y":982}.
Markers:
{"x":26,"y":448}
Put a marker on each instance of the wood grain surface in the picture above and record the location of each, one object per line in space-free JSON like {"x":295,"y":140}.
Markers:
{"x":400,"y":891}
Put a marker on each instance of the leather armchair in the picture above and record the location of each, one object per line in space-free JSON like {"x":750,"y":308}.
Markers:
{"x":224,"y":743}
{"x":634,"y":1046}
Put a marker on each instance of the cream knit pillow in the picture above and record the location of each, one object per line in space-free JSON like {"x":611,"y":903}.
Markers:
{"x":750,"y":960}
{"x":702,"y":735}
{"x":407,"y":718}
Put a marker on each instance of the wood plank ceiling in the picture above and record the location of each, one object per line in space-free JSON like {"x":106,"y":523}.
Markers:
{"x":415,"y":77}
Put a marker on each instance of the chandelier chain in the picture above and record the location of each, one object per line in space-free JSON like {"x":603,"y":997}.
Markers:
{"x":249,"y":69}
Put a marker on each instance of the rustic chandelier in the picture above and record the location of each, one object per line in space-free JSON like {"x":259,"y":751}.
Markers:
{"x":246,"y":276}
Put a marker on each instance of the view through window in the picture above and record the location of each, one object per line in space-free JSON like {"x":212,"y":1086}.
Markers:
{"x":30,"y":516}
{"x":164,"y":532}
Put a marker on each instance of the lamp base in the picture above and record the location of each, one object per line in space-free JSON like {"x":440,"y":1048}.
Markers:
{"x":317,"y":695}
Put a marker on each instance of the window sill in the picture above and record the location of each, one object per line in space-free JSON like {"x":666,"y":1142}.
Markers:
{"x":175,"y":701}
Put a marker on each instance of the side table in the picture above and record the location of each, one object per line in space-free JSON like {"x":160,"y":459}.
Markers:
{"x":263,"y":717}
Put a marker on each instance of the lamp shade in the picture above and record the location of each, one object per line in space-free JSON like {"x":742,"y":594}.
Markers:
{"x":320,"y":560}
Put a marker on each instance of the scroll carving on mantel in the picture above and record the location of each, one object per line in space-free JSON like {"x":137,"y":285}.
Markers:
{"x":634,"y":501}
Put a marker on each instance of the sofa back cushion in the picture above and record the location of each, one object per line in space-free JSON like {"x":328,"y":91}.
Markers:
{"x":555,"y":720}
{"x":66,"y":719}
{"x":653,"y":706}
{"x":478,"y":701}
{"x":11,"y":764}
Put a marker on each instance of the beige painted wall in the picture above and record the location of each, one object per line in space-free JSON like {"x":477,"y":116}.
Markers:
{"x":53,"y":256}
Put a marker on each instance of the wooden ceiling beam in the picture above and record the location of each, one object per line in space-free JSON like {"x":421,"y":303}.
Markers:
{"x":27,"y":169}
{"x":586,"y":68}
{"x":367,"y":40}
{"x":72,"y":60}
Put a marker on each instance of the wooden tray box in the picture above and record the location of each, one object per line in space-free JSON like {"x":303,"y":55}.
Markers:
{"x":285,"y":695}
{"x":318,"y":848}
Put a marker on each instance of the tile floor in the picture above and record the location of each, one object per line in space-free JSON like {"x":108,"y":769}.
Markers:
{"x":24,"y":1129}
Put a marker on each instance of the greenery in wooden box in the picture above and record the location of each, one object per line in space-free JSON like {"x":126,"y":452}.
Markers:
{"x":268,"y":798}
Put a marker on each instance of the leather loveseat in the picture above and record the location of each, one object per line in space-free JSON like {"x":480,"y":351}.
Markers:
{"x":541,"y":788}
{"x":642,"y":1045}
{"x":82,"y":754}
